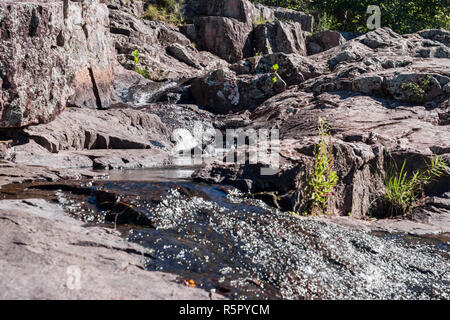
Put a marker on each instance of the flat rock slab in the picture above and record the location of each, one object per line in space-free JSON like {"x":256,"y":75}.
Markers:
{"x":18,"y":173}
{"x":47,"y":255}
{"x":76,"y":129}
{"x":32,"y":154}
{"x":439,"y":224}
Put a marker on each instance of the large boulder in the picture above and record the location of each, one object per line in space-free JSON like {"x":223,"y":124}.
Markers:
{"x":236,"y":29}
{"x":272,"y":13}
{"x":75,"y":129}
{"x":183,"y":54}
{"x":292,"y":68}
{"x":245,"y":11}
{"x":402,"y":79}
{"x":406,"y":68}
{"x":379,"y":38}
{"x":306,"y":20}
{"x":323,"y":41}
{"x":222,"y":91}
{"x":135,"y":7}
{"x":241,"y":10}
{"x":226,"y":37}
{"x":348,"y":53}
{"x":287,"y":188}
{"x":381,"y":49}
{"x":53,"y":53}
{"x":277,"y":36}
{"x":440,"y":35}
{"x":424,"y":44}
{"x":417,"y":87}
{"x":363,"y":128}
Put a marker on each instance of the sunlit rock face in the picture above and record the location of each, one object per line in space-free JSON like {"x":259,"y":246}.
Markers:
{"x":238,"y":29}
{"x":53,"y":53}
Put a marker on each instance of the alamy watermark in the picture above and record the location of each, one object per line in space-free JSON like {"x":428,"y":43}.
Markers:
{"x":374,"y":21}
{"x":73,"y":277}
{"x":237,"y":146}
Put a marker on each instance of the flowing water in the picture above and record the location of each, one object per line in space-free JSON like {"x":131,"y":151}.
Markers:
{"x":244,"y":249}
{"x":147,"y":93}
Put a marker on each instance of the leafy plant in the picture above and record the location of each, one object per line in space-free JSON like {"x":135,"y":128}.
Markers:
{"x":324,"y":178}
{"x":403,"y":190}
{"x":275,"y":69}
{"x":417,"y":91}
{"x":136,"y":55}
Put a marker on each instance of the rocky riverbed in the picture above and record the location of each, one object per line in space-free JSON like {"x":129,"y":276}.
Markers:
{"x":90,"y":164}
{"x":236,"y":246}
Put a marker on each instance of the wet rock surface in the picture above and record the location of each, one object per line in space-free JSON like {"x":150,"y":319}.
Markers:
{"x":385,"y":96}
{"x":11,"y":172}
{"x":32,"y":154}
{"x":44,"y":247}
{"x":245,"y":249}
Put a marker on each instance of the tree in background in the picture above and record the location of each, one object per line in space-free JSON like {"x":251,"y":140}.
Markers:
{"x":403,"y":16}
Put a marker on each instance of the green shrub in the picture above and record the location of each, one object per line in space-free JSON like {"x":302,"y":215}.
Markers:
{"x":152,"y":13}
{"x":324,"y":178}
{"x":403,"y":190}
{"x":170,"y":5}
{"x":417,"y":91}
{"x":326,"y":22}
{"x":143,"y":72}
{"x":164,"y":10}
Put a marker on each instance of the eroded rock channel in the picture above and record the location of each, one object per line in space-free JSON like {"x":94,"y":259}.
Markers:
{"x":99,"y":99}
{"x":244,"y":249}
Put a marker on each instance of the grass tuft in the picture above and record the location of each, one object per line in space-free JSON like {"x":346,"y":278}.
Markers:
{"x":166,"y":11}
{"x":260,"y":20}
{"x":403,"y":191}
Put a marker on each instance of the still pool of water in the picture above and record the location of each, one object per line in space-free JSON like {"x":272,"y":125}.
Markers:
{"x":153,"y":175}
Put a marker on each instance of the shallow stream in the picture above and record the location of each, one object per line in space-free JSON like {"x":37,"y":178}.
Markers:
{"x":243,"y":249}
